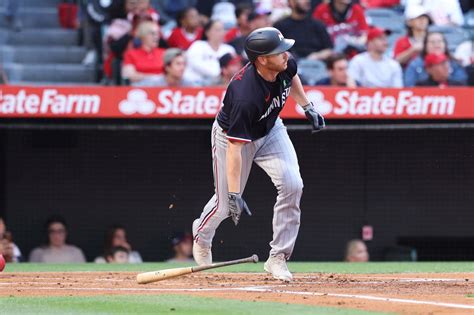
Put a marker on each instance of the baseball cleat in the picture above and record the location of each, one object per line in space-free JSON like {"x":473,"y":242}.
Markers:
{"x":202,"y":254}
{"x":276,"y":265}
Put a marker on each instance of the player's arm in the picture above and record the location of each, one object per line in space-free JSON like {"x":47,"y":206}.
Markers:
{"x":298,"y":94}
{"x":234,"y":165}
{"x":297,"y":91}
{"x":234,"y":169}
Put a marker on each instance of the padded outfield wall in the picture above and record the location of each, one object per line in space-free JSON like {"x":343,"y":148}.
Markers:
{"x":406,"y":183}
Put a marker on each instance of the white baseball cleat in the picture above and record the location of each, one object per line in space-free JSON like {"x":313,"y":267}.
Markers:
{"x":276,"y":265}
{"x":202,"y":254}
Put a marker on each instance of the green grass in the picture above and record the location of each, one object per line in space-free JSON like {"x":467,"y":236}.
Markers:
{"x":325,"y":267}
{"x":157,"y":304}
{"x":470,"y":295}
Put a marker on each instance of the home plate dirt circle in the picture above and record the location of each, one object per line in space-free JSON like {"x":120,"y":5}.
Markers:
{"x":400,"y":293}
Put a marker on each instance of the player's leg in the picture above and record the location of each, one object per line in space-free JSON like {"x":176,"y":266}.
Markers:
{"x":277,"y":157}
{"x":216,"y":210}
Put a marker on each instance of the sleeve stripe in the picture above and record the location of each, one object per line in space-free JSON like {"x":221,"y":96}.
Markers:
{"x":238,"y":139}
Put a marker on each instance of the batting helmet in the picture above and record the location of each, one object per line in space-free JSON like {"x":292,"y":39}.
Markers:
{"x":266,"y":41}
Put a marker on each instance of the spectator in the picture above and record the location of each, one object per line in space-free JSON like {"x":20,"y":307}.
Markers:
{"x":278,"y":8}
{"x":437,"y":67}
{"x":442,"y":12}
{"x":242,"y":12}
{"x":10,"y":252}
{"x":312,"y":39}
{"x":118,"y":36}
{"x":188,"y":30}
{"x":175,"y":64}
{"x":203,"y":55}
{"x":356,"y":251}
{"x":230,"y":65}
{"x":373,"y":68}
{"x":142,"y":65}
{"x":116,"y":236}
{"x":142,"y":11}
{"x":256,"y":19}
{"x":337,"y":69}
{"x":408,"y":47}
{"x":118,"y":255}
{"x":434,"y":43}
{"x":182,"y":247}
{"x":57,"y":250}
{"x":346,"y":24}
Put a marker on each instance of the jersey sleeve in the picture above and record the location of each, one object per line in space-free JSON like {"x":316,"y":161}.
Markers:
{"x":240,"y":122}
{"x":292,"y":67}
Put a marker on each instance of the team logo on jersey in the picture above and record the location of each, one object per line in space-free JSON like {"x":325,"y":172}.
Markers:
{"x":277,"y":102}
{"x":284,"y":83}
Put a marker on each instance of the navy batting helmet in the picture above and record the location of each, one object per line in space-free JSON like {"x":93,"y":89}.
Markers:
{"x":266,"y":41}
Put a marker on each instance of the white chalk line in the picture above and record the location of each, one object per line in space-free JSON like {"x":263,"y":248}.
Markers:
{"x":268,"y":289}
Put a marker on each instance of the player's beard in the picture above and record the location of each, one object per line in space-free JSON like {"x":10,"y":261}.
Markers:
{"x":278,"y":67}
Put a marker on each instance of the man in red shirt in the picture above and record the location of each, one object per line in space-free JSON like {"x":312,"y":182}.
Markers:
{"x":145,"y":62}
{"x":345,"y":23}
{"x":188,"y":30}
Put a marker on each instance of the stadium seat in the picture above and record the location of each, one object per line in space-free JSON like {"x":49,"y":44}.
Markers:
{"x":311,"y":71}
{"x":454,"y":35}
{"x":385,"y":18}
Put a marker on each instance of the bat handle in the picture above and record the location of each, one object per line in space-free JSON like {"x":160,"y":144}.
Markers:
{"x":253,"y":258}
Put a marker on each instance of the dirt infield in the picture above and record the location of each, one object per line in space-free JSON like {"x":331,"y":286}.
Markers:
{"x":399,"y":293}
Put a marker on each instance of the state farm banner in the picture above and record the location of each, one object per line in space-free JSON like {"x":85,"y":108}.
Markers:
{"x":130,"y":102}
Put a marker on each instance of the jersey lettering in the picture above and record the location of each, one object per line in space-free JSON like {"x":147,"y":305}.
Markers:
{"x":276,"y":103}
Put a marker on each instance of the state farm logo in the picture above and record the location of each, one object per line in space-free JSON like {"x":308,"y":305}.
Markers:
{"x":380,"y":103}
{"x":137,"y":102}
{"x":321,"y":105}
{"x":172,"y":103}
{"x":48,"y":102}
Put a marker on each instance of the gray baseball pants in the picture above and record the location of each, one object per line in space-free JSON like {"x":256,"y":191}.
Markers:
{"x":276,"y":155}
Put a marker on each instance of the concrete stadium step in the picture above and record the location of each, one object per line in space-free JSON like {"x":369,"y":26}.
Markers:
{"x":35,"y":17}
{"x":61,"y":73}
{"x":43,"y":36}
{"x":34,"y":3}
{"x":42,"y":54}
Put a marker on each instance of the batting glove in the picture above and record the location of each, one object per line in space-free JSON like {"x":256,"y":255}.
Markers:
{"x":236,"y":205}
{"x":316,"y":119}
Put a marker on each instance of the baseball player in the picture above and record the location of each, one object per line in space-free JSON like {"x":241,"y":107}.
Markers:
{"x":248,"y":129}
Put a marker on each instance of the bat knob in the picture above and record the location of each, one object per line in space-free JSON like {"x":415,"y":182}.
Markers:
{"x":255,"y":258}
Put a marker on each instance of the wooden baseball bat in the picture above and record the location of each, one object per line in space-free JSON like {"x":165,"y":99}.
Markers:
{"x":153,"y":276}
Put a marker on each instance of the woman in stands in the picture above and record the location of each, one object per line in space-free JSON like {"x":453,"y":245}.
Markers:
{"x":117,"y":237}
{"x":188,"y":30}
{"x":142,"y":65}
{"x":408,"y":47}
{"x":435,"y":43}
{"x":203,"y":55}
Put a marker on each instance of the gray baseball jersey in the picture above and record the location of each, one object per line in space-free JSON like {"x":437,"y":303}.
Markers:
{"x":251,"y":114}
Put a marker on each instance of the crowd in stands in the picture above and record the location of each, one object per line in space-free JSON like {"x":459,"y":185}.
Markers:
{"x":117,"y":248}
{"x":134,"y":42}
{"x":56,"y":249}
{"x":200,"y":43}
